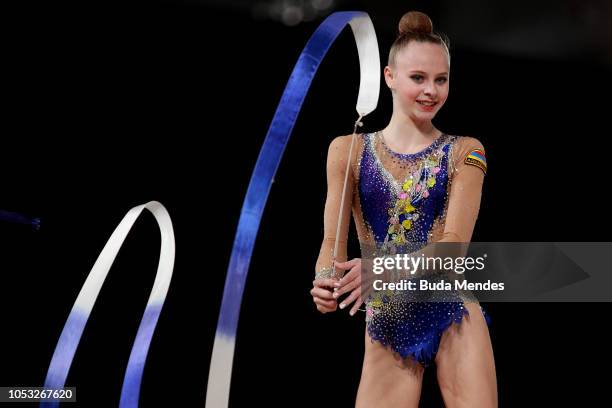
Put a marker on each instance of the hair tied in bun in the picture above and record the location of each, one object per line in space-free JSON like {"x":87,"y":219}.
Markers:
{"x":415,"y":22}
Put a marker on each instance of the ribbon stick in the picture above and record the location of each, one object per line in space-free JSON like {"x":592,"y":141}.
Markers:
{"x":219,"y":376}
{"x":75,"y":324}
{"x":346,"y":174}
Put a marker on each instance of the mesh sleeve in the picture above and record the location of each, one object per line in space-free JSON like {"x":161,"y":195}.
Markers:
{"x":469,"y":169}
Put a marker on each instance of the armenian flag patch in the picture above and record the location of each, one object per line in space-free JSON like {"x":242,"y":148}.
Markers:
{"x":477,"y":158}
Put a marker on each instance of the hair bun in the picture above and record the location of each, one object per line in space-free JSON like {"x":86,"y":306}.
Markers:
{"x":416,"y":22}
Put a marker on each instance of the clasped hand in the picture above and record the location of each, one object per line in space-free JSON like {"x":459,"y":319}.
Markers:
{"x":326,"y":291}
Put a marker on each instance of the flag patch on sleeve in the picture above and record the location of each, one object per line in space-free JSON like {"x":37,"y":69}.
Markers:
{"x":477,"y":158}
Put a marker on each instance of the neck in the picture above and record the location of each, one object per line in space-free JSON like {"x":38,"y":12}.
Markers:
{"x":406,"y":135}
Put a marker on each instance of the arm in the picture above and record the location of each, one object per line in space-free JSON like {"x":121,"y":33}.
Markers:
{"x":466,"y":191}
{"x":336,"y":169}
{"x":337,"y":158}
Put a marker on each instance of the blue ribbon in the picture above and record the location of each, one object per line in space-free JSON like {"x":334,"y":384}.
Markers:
{"x":19,"y":219}
{"x":258,"y":190}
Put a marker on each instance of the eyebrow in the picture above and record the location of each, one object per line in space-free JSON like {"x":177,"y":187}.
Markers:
{"x":423,"y":72}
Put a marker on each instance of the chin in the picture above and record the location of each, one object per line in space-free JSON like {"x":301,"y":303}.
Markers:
{"x":426,"y":114}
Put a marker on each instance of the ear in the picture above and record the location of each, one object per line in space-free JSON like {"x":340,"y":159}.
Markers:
{"x":389,"y":77}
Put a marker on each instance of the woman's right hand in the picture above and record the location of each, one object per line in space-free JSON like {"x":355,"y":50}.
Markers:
{"x":322,"y":295}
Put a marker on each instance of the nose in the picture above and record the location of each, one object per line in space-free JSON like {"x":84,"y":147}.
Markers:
{"x":430,"y":89}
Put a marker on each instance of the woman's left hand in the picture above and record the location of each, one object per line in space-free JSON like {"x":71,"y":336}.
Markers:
{"x":351,"y":282}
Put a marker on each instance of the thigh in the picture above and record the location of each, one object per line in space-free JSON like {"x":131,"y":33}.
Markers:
{"x":387,"y":380}
{"x":465,"y":364}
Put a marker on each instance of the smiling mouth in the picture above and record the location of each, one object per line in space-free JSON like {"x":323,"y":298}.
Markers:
{"x":427,"y":103}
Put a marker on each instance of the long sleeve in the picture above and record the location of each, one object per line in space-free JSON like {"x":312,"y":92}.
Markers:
{"x":336,"y":167}
{"x":469,"y":166}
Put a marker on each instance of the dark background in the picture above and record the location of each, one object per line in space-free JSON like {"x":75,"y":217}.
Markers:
{"x":110,"y":105}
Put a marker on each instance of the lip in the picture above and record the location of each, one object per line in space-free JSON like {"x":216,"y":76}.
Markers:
{"x":425,"y":107}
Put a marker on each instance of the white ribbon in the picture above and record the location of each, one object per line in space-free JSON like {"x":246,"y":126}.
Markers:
{"x":75,"y":324}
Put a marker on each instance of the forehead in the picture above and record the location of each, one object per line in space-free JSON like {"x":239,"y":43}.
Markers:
{"x":427,"y":57}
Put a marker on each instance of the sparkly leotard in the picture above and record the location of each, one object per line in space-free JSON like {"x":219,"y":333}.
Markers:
{"x":402,"y":201}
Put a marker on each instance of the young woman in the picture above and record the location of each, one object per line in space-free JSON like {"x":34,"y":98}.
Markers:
{"x":409,"y":183}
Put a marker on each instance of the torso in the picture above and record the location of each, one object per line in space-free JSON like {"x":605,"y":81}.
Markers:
{"x":402,"y":197}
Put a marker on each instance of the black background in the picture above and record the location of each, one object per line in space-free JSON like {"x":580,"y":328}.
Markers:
{"x":107,"y":106}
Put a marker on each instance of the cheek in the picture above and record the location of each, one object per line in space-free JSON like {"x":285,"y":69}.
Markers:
{"x":443,"y":94}
{"x":410,"y":92}
{"x":442,"y":98}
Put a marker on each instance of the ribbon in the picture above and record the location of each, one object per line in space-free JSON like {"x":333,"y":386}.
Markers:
{"x":75,"y":324}
{"x":219,"y":376}
{"x":19,"y":219}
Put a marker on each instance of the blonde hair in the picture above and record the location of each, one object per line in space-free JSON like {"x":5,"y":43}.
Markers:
{"x":416,"y":26}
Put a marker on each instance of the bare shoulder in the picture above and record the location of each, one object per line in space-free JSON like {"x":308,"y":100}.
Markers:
{"x":339,"y":150}
{"x":340,"y":144}
{"x":340,"y":147}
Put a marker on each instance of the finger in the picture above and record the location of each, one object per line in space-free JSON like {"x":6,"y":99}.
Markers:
{"x":321,"y":293}
{"x":350,"y":276}
{"x":356,"y":307}
{"x":324,"y":282}
{"x":350,"y":299}
{"x":347,"y":264}
{"x":329,"y":304}
{"x":367,"y":282}
{"x":346,"y":288}
{"x":324,"y":309}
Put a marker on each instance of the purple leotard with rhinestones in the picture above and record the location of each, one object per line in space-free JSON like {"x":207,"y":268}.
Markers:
{"x":400,"y":202}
